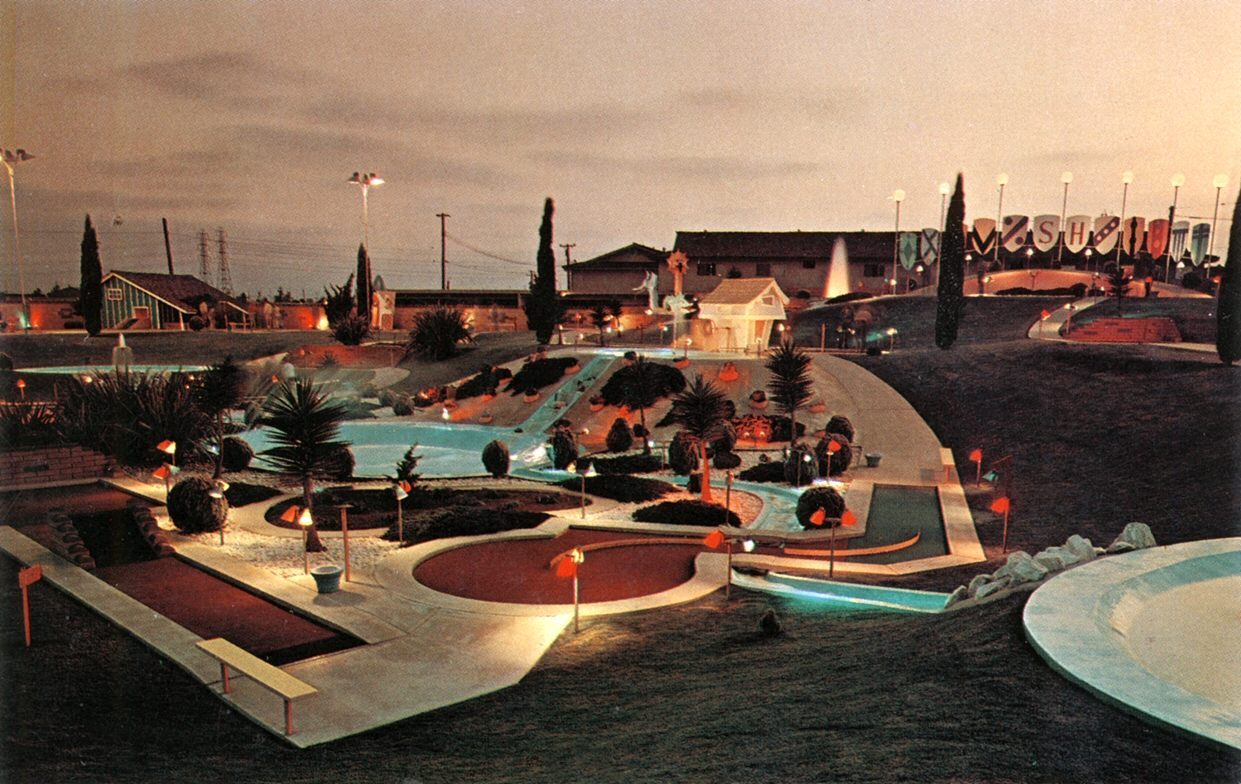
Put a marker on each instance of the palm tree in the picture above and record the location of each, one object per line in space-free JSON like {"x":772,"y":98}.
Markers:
{"x":220,"y":389}
{"x":305,"y":424}
{"x":790,"y":384}
{"x":642,"y":387}
{"x":701,"y":411}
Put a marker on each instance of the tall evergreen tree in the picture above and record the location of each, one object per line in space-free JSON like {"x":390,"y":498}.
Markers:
{"x":951,"y":270}
{"x":1118,"y":287}
{"x":92,"y":281}
{"x":1228,"y":309}
{"x":364,"y":278}
{"x":543,"y":309}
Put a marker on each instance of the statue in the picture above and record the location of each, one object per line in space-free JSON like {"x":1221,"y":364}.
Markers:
{"x":649,"y":285}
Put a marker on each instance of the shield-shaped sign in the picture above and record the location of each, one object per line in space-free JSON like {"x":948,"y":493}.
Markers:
{"x":930,"y":246}
{"x":982,"y":236}
{"x":1157,"y":237}
{"x":1077,"y":232}
{"x":1180,"y":237}
{"x":1134,"y":231}
{"x":1106,"y":232}
{"x":1013,"y":235}
{"x":909,"y":249}
{"x":1199,"y":240}
{"x":1046,"y":231}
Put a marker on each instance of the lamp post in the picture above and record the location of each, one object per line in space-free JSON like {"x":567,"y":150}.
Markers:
{"x":1220,"y":182}
{"x":1001,"y":180}
{"x":1068,"y":321}
{"x":1125,"y":178}
{"x":218,"y":489}
{"x":366,"y":181}
{"x":11,"y":159}
{"x":891,"y":339}
{"x":944,"y":190}
{"x":1065,"y":178}
{"x":401,"y":493}
{"x":305,"y":521}
{"x":898,"y":196}
{"x":1034,"y":278}
{"x":1177,"y":181}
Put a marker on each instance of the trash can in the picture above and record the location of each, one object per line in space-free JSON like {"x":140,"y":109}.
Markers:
{"x":327,"y":578}
{"x":873,"y":458}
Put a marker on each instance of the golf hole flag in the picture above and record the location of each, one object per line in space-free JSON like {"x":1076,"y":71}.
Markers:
{"x":714,"y":539}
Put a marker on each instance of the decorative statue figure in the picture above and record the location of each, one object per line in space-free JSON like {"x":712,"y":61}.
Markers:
{"x":649,"y":284}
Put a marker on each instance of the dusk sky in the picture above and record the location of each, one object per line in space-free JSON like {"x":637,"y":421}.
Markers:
{"x":639,"y":118}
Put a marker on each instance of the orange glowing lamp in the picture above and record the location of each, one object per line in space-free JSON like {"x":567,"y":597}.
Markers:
{"x":819,"y":516}
{"x":290,"y":514}
{"x":1045,"y":314}
{"x":833,"y":447}
{"x":976,"y":456}
{"x":848,"y":518}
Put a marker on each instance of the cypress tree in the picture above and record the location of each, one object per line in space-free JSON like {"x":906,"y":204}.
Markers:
{"x":92,"y":281}
{"x":1228,"y":309}
{"x":364,"y":284}
{"x":543,"y":308}
{"x":951,"y":270}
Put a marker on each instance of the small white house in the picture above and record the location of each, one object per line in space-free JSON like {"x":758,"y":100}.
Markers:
{"x":739,"y":314}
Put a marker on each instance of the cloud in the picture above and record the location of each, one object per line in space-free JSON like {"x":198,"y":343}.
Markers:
{"x":681,"y":167}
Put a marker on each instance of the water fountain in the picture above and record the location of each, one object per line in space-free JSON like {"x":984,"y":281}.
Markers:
{"x":838,"y":271}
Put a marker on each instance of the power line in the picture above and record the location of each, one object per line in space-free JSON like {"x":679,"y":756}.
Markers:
{"x":488,"y":254}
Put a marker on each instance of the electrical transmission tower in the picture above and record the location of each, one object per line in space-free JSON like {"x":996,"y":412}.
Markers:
{"x":226,"y":278}
{"x":204,"y":258}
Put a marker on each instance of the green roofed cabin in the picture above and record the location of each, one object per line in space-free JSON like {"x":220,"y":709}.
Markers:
{"x":146,"y":300}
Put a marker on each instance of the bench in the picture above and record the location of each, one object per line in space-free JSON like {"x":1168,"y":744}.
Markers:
{"x":950,"y":462}
{"x":271,"y":678}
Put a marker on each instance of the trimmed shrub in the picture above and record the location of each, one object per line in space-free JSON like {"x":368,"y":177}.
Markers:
{"x":564,"y":448}
{"x":667,"y":381}
{"x":352,"y":329}
{"x":619,"y":438}
{"x":694,"y":485}
{"x":403,"y":406}
{"x":193,"y":510}
{"x":197,"y":324}
{"x":829,"y":464}
{"x":726,"y":461}
{"x":437,"y":331}
{"x":340,"y":463}
{"x":485,"y":382}
{"x":639,"y":431}
{"x":797,"y":469}
{"x":685,"y":512}
{"x":819,"y":497}
{"x":682,"y":455}
{"x":622,"y":488}
{"x":495,"y":458}
{"x":628,"y":464}
{"x":236,"y":454}
{"x":841,"y":425}
{"x":458,"y":521}
{"x":388,"y":397}
{"x":727,"y":440}
{"x":538,"y":374}
{"x":772,"y":471}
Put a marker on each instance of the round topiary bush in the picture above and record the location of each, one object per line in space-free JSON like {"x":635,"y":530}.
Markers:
{"x":192,"y":509}
{"x":727,"y":439}
{"x":619,"y":438}
{"x":387,"y":397}
{"x":726,"y":461}
{"x":197,"y":324}
{"x":341,"y":463}
{"x":682,"y":455}
{"x":564,"y":448}
{"x":841,"y":425}
{"x":685,"y":512}
{"x":820,"y":497}
{"x":799,"y":468}
{"x":403,"y":406}
{"x":833,"y":464}
{"x":236,"y":454}
{"x":495,"y":458}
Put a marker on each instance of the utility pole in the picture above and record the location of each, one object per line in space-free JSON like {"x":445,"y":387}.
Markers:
{"x":168,"y":247}
{"x":567,"y":247}
{"x":443,"y":216}
{"x":204,"y":257}
{"x":226,"y":278}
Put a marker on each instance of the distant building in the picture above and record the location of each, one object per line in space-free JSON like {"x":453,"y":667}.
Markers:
{"x":616,"y":272}
{"x":147,"y":300}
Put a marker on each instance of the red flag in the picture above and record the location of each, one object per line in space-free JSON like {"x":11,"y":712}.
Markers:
{"x":833,"y":447}
{"x":161,"y":472}
{"x":30,"y":575}
{"x":1000,"y":505}
{"x":290,"y":514}
{"x":714,"y":539}
{"x":567,"y":567}
{"x":847,"y":518}
{"x":819,"y":516}
{"x":1045,"y":314}
{"x":976,"y":456}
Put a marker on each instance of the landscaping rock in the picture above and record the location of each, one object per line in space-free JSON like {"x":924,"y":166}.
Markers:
{"x":998,"y":584}
{"x":1021,"y":568}
{"x":1082,"y":550}
{"x":959,"y":595}
{"x":1136,"y":536}
{"x":978,"y":582}
{"x":1051,"y":561}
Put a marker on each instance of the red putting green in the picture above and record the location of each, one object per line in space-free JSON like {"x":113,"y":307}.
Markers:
{"x":520,"y":572}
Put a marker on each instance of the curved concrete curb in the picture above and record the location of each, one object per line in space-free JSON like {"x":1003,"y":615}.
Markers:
{"x":1080,"y":623}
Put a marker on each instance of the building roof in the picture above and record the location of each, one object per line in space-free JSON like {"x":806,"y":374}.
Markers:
{"x":742,"y":291}
{"x":180,"y":291}
{"x":632,"y":255}
{"x":783,"y":244}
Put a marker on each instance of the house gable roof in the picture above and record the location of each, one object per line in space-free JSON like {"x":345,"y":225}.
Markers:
{"x":175,"y":290}
{"x":743,"y":291}
{"x":632,"y":255}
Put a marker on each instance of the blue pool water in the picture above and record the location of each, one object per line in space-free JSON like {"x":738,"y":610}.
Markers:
{"x":78,"y":370}
{"x":828,"y":594}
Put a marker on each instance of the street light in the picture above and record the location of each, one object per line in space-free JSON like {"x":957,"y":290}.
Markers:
{"x":891,"y":338}
{"x":366,"y":181}
{"x":305,"y":521}
{"x":1177,"y":181}
{"x":898,"y":196}
{"x":401,"y":491}
{"x":1001,"y":181}
{"x":1065,"y":178}
{"x":1220,"y":182}
{"x":1125,"y":178}
{"x":12,"y":158}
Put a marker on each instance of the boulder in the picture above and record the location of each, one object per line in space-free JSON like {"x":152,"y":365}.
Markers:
{"x":1050,"y":560}
{"x":1081,"y":548}
{"x":997,"y":584}
{"x":1136,"y":536}
{"x":959,"y":595}
{"x":978,"y":582}
{"x":1021,"y":568}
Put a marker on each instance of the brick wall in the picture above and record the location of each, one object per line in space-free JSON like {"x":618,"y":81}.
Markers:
{"x":22,"y":467}
{"x":1121,"y":330}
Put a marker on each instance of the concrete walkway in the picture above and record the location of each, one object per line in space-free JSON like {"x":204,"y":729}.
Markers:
{"x":426,"y":650}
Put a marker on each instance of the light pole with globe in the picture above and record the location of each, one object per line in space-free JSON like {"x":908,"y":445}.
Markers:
{"x":11,"y":158}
